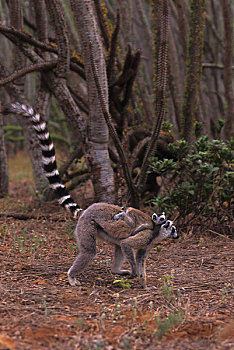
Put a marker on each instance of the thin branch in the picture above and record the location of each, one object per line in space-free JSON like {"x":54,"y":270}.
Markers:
{"x":11,"y":33}
{"x":23,"y":36}
{"x":213,"y":65}
{"x":32,"y":68}
{"x":60,"y":91}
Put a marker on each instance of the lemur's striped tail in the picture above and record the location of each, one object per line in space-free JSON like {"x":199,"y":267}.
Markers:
{"x":48,"y":154}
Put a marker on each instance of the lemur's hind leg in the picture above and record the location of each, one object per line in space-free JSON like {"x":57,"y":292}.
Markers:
{"x":128,"y":253}
{"x":83,"y":259}
{"x":141,"y":256}
{"x":87,"y":252}
{"x":118,"y":262}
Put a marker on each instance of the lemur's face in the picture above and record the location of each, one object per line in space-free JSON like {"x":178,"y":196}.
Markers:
{"x":167,"y":227}
{"x":170,"y":228}
{"x":159,"y":219}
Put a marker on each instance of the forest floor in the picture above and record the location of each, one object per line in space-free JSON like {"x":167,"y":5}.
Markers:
{"x":190,"y":308}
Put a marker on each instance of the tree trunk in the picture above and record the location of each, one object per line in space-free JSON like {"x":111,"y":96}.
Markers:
{"x":3,"y":162}
{"x":194,"y":60}
{"x":31,"y":139}
{"x":97,"y":134}
{"x":228,"y":37}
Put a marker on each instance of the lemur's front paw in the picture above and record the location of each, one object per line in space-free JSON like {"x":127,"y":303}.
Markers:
{"x":118,"y":216}
{"x":73,"y":281}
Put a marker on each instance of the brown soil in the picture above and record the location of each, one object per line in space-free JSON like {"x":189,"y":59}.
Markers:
{"x":192,"y":298}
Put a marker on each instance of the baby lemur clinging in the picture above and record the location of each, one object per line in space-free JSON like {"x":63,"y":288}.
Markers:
{"x":127,"y":229}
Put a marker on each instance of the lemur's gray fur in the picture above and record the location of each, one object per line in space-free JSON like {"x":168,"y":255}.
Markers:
{"x":127,"y":229}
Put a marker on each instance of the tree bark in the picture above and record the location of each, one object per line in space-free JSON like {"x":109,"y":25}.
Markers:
{"x":161,"y":30}
{"x":97,"y":135}
{"x":229,"y":93}
{"x":194,"y":60}
{"x":3,"y":163}
{"x":31,"y":140}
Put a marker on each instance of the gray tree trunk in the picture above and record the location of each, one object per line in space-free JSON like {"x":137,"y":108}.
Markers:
{"x":97,"y":133}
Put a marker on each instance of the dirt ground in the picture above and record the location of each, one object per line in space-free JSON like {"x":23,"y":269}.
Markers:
{"x":190,"y":306}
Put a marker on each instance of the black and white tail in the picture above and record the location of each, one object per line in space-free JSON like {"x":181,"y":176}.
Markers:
{"x":48,"y":154}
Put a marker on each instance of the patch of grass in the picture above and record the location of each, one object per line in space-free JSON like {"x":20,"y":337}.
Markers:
{"x":168,"y":323}
{"x":3,"y":232}
{"x":20,"y":168}
{"x":168,"y":287}
{"x":126,"y":343}
{"x":47,"y":311}
{"x":224,"y":290}
{"x":32,"y":244}
{"x":70,"y":228}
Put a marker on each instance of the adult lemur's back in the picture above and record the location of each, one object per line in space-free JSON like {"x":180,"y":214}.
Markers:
{"x":100,"y":219}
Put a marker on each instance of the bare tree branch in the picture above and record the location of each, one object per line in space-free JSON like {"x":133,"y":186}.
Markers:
{"x":29,"y":69}
{"x":213,"y":65}
{"x":27,"y":38}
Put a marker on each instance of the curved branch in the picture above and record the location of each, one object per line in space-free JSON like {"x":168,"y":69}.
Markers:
{"x":32,"y":68}
{"x":23,"y":36}
{"x":213,"y":65}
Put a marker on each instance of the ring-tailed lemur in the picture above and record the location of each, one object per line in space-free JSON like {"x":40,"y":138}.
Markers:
{"x":127,"y":229}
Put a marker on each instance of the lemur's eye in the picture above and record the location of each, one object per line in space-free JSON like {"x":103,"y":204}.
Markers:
{"x":123,"y":208}
{"x":162,"y":219}
{"x":154,"y":217}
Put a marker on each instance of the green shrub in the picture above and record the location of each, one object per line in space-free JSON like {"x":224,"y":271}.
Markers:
{"x":200,"y":182}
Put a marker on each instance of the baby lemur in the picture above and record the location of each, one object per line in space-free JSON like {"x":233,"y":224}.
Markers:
{"x":132,"y":232}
